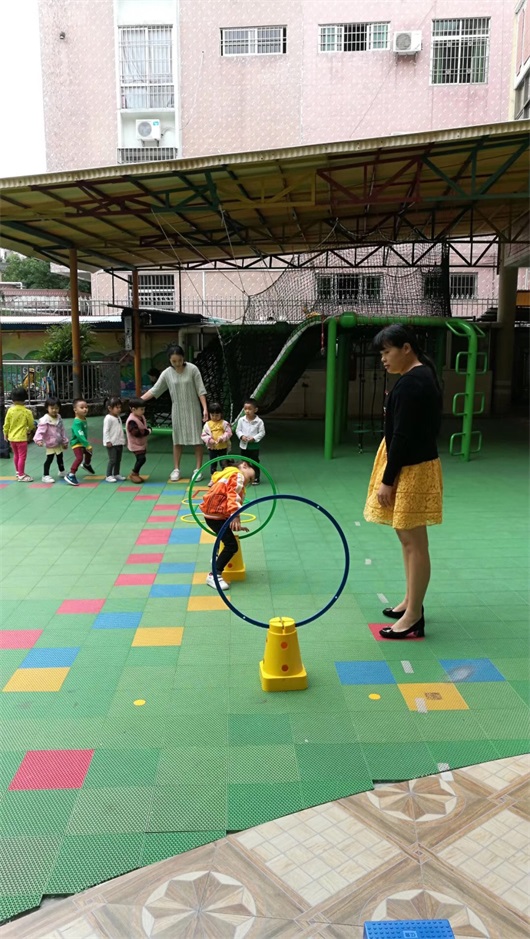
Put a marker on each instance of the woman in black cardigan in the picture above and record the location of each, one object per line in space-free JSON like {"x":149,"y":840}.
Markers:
{"x":405,"y":488}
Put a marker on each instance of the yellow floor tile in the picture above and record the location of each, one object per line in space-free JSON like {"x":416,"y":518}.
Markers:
{"x":158,"y":636}
{"x":7,"y":477}
{"x":196,"y":604}
{"x":206,"y":538}
{"x":37,"y":679}
{"x":437,"y":696}
{"x":199,"y":577}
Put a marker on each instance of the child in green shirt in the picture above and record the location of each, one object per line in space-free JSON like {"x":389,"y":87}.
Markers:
{"x":79,"y":442}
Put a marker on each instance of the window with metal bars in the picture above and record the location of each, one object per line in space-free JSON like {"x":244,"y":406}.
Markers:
{"x":343,"y":288}
{"x":256,"y":40}
{"x":460,"y":51}
{"x":354,"y":37}
{"x":155,"y":291}
{"x":146,"y":67}
{"x":461,"y":286}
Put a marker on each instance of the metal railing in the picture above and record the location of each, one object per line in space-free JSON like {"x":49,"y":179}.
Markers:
{"x":43,"y":380}
{"x":47,"y":306}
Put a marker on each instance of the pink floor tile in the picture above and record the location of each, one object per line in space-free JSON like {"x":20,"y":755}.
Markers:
{"x":4,"y":485}
{"x":19,"y":638}
{"x":81,"y":606}
{"x":146,"y":498}
{"x":127,"y":488}
{"x":375,"y":627}
{"x":52,"y":769}
{"x":161,"y":518}
{"x":133,"y":580}
{"x":145,"y":558}
{"x":154,"y":536}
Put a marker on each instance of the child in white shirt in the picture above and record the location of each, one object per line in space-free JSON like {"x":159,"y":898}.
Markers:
{"x":113,"y":440}
{"x":250,"y":430}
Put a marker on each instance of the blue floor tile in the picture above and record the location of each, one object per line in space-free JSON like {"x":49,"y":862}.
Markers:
{"x":460,"y":670}
{"x":364,"y":673}
{"x":50,"y":658}
{"x":117,"y":621}
{"x":170,"y":590}
{"x":184,"y":568}
{"x":179,"y":536}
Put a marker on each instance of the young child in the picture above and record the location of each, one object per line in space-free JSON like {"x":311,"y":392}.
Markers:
{"x":250,"y":429}
{"x":225,"y":496}
{"x":79,"y":442}
{"x":52,"y":435}
{"x":137,"y":434}
{"x":113,"y":440}
{"x":19,"y":425}
{"x":216,"y":433}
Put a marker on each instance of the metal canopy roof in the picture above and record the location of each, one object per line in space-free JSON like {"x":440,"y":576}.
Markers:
{"x":465,"y":182}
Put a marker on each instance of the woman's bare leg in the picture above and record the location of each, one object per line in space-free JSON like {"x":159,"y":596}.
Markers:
{"x":177,"y":454}
{"x":415,"y":544}
{"x":199,"y":452}
{"x":403,"y":605}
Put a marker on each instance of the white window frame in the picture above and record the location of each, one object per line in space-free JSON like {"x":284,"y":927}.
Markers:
{"x":155,"y":291}
{"x":463,"y":286}
{"x":336,"y":30}
{"x":470,"y":31}
{"x":256,"y":36}
{"x":337,"y":284}
{"x":149,"y":84}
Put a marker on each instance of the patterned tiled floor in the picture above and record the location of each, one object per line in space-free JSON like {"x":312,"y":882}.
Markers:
{"x":134,"y":727}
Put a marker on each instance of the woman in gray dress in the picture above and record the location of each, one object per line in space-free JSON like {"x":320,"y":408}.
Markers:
{"x":184,"y":383}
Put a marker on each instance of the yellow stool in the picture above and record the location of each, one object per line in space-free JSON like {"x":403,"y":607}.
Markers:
{"x":281,"y":668}
{"x":235,"y":569}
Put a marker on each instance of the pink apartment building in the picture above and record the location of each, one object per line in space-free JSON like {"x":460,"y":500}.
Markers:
{"x":134,"y":80}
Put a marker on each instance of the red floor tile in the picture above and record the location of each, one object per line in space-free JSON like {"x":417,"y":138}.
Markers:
{"x":145,"y":558}
{"x":52,"y":769}
{"x":161,"y":518}
{"x":19,"y":638}
{"x":146,"y":498}
{"x":154,"y":536}
{"x":375,"y":627}
{"x":132,"y":580}
{"x":81,"y":606}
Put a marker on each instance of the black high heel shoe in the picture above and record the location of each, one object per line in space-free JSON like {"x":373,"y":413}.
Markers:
{"x":418,"y":630}
{"x":395,"y":614}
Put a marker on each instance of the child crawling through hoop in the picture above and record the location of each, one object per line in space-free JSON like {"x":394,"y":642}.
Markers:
{"x":225,"y":497}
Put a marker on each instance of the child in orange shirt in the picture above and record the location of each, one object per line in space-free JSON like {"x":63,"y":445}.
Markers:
{"x":225,"y":497}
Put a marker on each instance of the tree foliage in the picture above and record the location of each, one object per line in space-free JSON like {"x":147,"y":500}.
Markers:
{"x":34,"y":274}
{"x":57,"y":345}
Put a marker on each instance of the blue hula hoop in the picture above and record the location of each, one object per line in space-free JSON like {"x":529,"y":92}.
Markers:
{"x":245,"y":508}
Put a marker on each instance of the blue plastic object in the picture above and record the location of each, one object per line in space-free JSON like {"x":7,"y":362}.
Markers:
{"x":409,"y":929}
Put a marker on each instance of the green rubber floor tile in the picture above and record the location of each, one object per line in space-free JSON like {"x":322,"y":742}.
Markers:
{"x":387,"y":727}
{"x":318,"y":792}
{"x":183,"y":765}
{"x":448,"y":725}
{"x":250,"y":805}
{"x":194,"y":676}
{"x":159,"y":846}
{"x":208,"y":730}
{"x":513,"y":669}
{"x":357,"y":698}
{"x":522,"y":688}
{"x":162,"y":656}
{"x":122,"y":768}
{"x":128,"y":604}
{"x":110,"y":809}
{"x":424,"y":670}
{"x":92,"y":673}
{"x":513,"y":724}
{"x":36,"y":812}
{"x":263,"y":764}
{"x":456,"y":754}
{"x":139,"y":728}
{"x":488,"y":695}
{"x":505,"y":748}
{"x":151,"y":678}
{"x":196,"y":807}
{"x":396,"y":762}
{"x":85,"y":860}
{"x":320,"y":761}
{"x":327,"y":728}
{"x":74,"y":702}
{"x":27,"y":861}
{"x":35,"y":734}
{"x":199,"y":700}
{"x":252,"y":729}
{"x":10,"y":761}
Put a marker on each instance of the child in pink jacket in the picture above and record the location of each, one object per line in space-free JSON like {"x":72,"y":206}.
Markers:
{"x":52,"y":435}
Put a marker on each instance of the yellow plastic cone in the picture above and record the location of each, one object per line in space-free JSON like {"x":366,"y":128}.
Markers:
{"x":282,"y":668}
{"x":235,"y":569}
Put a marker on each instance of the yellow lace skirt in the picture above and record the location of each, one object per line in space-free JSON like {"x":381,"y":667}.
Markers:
{"x":418,"y":494}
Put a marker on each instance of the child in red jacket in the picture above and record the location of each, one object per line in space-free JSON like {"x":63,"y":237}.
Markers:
{"x":225,"y":497}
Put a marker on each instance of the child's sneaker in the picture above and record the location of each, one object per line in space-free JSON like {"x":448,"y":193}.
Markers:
{"x":255,"y":482}
{"x":24,"y":478}
{"x":48,"y":479}
{"x":222,"y":582}
{"x":88,"y":468}
{"x":71,"y":479}
{"x":62,"y":473}
{"x":196,"y":476}
{"x":111,"y":479}
{"x":120,"y":479}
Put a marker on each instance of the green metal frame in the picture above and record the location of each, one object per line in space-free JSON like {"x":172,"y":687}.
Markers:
{"x":472,"y":402}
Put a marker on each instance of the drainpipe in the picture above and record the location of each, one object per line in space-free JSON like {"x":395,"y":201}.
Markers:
{"x":330,"y":389}
{"x":76,"y":335}
{"x":137,"y":338}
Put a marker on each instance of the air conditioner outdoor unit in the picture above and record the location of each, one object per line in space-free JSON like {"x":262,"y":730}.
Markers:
{"x":407,"y":41}
{"x":148,"y":130}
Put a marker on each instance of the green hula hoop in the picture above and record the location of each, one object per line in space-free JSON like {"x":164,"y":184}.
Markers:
{"x":249,"y":533}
